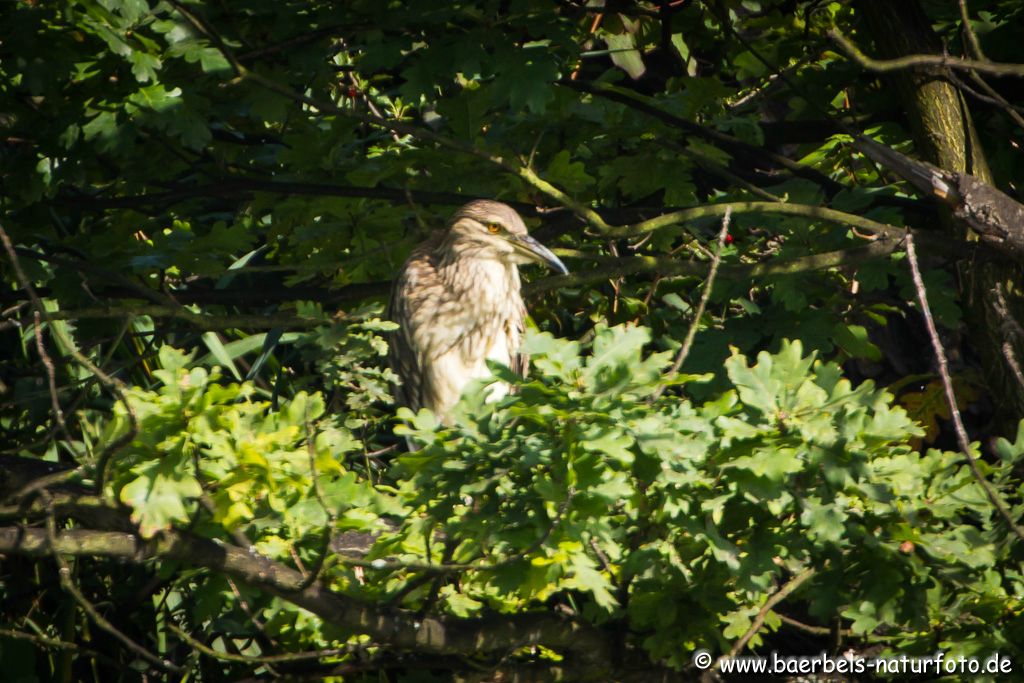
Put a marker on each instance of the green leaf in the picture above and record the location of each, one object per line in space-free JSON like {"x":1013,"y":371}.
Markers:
{"x":1011,"y":452}
{"x":612,"y":442}
{"x":615,"y":349}
{"x":570,"y":175}
{"x":824,"y":522}
{"x":584,"y":576}
{"x":523,"y":78}
{"x":854,"y":340}
{"x":772,"y":463}
{"x":144,"y":66}
{"x":172,"y":359}
{"x":213,"y":342}
{"x":551,"y":355}
{"x":161,"y":494}
{"x":623,"y":53}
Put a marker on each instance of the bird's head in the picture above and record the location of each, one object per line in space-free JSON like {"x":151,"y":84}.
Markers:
{"x":490,"y":229}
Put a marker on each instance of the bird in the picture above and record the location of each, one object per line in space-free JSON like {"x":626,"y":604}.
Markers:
{"x":457,"y":303}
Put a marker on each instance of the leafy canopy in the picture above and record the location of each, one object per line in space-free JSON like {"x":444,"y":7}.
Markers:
{"x":208,"y":200}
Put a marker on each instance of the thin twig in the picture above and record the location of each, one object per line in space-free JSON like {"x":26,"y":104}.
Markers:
{"x":371,"y":106}
{"x":1012,"y":110}
{"x":691,"y":333}
{"x":808,"y":628}
{"x":450,"y":546}
{"x":247,"y":608}
{"x":594,"y":24}
{"x":244,"y":186}
{"x":51,"y":376}
{"x":110,"y":382}
{"x":200,"y":321}
{"x":292,"y":42}
{"x":785,"y":208}
{"x":1012,"y":331}
{"x":66,"y":582}
{"x":255,"y":659}
{"x":910,"y":61}
{"x":57,"y":645}
{"x":993,"y":98}
{"x":527,"y":175}
{"x":762,"y":614}
{"x":1011,"y":359}
{"x":649,"y":107}
{"x":606,"y":564}
{"x":318,"y":492}
{"x":666,"y":266}
{"x":713,"y":167}
{"x":456,"y":567}
{"x":260,"y":627}
{"x":947,"y":384}
{"x":972,"y":37}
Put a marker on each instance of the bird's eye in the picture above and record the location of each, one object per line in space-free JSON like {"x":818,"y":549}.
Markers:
{"x":493,"y":228}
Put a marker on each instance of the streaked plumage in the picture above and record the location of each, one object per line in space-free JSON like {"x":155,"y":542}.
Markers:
{"x":458,"y":304}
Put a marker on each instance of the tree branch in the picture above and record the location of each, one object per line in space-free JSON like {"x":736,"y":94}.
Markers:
{"x":972,"y":37}
{"x":257,"y":659}
{"x":523,"y":173}
{"x":57,"y":645}
{"x":947,"y":385}
{"x":66,"y":582}
{"x":762,"y":614}
{"x":639,"y":103}
{"x":112,"y":383}
{"x":396,"y":628}
{"x":911,"y":61}
{"x":739,"y":208}
{"x":203,"y":322}
{"x":669,"y":266}
{"x":709,"y":283}
{"x":245,"y":187}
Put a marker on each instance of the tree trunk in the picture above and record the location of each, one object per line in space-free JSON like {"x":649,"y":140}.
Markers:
{"x":945,"y":135}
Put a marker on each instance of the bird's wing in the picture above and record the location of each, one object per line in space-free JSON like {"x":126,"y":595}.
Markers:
{"x":402,"y":360}
{"x":520,"y":362}
{"x":402,"y":354}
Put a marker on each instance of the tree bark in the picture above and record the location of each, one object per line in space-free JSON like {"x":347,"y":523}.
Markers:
{"x":945,"y":136}
{"x":586,"y":647}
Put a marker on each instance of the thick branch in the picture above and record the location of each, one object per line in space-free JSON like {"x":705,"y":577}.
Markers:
{"x":995,"y":216}
{"x":398,"y":629}
{"x":945,"y":136}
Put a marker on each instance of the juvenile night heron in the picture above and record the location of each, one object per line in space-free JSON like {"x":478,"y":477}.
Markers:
{"x":457,"y":303}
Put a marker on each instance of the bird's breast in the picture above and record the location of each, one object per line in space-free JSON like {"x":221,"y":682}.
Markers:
{"x":472,"y":316}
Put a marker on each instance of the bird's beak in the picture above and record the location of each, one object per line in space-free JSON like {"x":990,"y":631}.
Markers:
{"x":539,"y":253}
